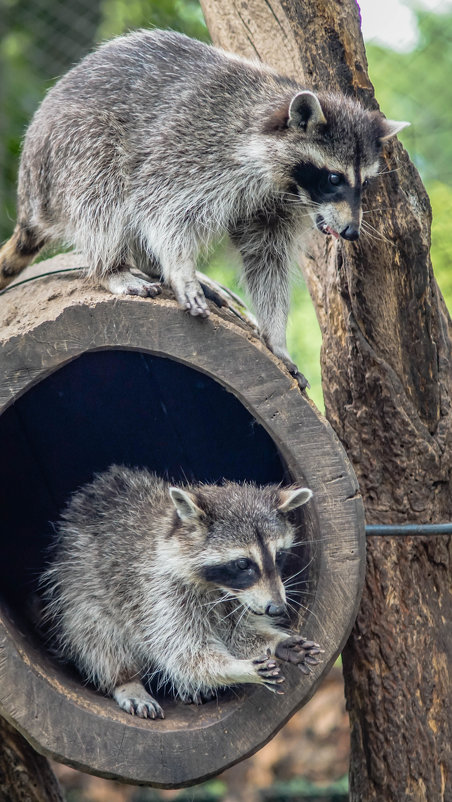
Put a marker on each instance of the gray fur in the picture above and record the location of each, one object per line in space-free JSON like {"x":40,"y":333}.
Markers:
{"x":128,"y":591}
{"x":156,"y":144}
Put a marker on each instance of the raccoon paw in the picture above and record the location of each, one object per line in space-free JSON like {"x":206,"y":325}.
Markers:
{"x":123,"y":282}
{"x":191,"y":297}
{"x":269,"y":673}
{"x":299,"y":651}
{"x":133,"y":698}
{"x":293,"y":370}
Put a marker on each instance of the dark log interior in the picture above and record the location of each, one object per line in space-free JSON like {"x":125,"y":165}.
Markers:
{"x":115,"y":406}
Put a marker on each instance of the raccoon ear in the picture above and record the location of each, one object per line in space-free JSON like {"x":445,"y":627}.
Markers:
{"x":185,"y":504}
{"x":305,"y":111}
{"x":391,"y":128}
{"x":293,"y":497}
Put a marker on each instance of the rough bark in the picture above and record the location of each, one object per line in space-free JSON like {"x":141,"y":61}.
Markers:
{"x":386,"y":372}
{"x":25,"y":776}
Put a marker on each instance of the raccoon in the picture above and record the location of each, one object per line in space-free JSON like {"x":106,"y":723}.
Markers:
{"x":156,"y":144}
{"x":178,"y":583}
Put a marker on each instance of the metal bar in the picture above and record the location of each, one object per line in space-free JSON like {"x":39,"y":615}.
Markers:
{"x":397,"y":530}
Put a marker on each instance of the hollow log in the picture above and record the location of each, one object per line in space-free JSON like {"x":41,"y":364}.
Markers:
{"x":386,"y":374}
{"x":90,"y":379}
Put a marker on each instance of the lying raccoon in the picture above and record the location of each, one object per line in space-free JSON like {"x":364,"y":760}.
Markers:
{"x":181,"y":583}
{"x":155,"y":145}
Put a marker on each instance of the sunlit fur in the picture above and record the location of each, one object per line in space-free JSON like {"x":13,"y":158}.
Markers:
{"x":126,"y":594}
{"x":155,"y":145}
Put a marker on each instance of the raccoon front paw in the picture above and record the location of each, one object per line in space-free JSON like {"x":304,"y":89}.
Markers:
{"x":293,"y":370}
{"x":269,"y":673}
{"x":283,"y":355}
{"x":299,"y":651}
{"x":191,"y":297}
{"x":133,"y":698}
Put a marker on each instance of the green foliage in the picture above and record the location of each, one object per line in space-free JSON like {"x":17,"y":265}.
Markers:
{"x":441,"y":250}
{"x":414,"y":86}
{"x":180,"y":15}
{"x":303,"y":332}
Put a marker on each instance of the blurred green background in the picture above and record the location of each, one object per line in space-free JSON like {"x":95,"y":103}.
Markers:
{"x":40,"y":40}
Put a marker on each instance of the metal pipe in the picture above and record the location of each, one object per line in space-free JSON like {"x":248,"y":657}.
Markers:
{"x":399,"y":530}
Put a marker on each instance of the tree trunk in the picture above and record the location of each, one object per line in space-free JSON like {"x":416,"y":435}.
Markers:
{"x":387,"y":382}
{"x":25,"y":776}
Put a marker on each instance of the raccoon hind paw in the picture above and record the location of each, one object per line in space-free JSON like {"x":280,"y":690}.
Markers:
{"x":133,"y":698}
{"x":123,"y":282}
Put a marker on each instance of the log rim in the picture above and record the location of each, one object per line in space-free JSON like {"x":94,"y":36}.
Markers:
{"x":105,"y":323}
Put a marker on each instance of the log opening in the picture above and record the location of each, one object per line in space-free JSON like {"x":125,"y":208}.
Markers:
{"x":92,"y":379}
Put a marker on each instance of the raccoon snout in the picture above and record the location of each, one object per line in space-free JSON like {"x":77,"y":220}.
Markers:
{"x":350,"y":232}
{"x":275,"y":610}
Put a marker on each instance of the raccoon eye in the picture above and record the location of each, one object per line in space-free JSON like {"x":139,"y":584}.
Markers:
{"x":335,"y":179}
{"x":243,"y":563}
{"x":365,"y":183}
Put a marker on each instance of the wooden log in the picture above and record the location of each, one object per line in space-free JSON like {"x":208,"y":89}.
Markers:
{"x":90,"y":378}
{"x":387,"y":381}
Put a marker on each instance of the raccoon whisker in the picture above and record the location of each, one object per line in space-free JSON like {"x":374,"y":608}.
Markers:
{"x":292,"y":608}
{"x":386,"y":172}
{"x":299,"y":592}
{"x":211,"y":605}
{"x":379,"y":209}
{"x":311,"y":541}
{"x":296,"y":584}
{"x":373,"y":233}
{"x":311,"y":612}
{"x":369,"y":235}
{"x":300,"y":571}
{"x":233,"y":611}
{"x":240,"y":617}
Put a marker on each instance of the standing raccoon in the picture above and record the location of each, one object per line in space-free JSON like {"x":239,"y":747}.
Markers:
{"x":181,"y":583}
{"x":156,"y":144}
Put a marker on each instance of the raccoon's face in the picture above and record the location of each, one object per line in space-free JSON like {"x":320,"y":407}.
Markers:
{"x":246,"y":538}
{"x":335,"y":197}
{"x":330,"y":147}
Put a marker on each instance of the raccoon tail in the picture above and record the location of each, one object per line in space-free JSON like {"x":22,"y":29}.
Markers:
{"x":18,"y":252}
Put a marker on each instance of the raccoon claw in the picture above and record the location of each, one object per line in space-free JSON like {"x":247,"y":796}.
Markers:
{"x":293,"y":370}
{"x":269,"y":672}
{"x":192,"y":298}
{"x":137,"y":702}
{"x":299,"y":651}
{"x":302,"y":380}
{"x":197,"y":306}
{"x":142,"y":709}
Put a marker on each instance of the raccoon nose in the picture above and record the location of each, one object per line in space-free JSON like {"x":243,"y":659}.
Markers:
{"x":275,"y":610}
{"x":350,"y":232}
